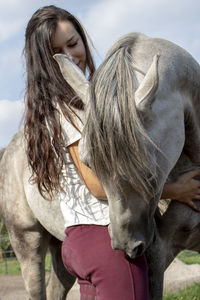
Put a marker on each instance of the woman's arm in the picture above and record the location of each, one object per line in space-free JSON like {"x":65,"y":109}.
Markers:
{"x":88,"y":176}
{"x":185,"y":189}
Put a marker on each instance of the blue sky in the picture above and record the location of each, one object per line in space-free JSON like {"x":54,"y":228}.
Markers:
{"x":104,"y":20}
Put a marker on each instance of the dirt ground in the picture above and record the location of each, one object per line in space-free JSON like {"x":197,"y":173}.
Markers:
{"x":177,"y":276}
{"x":12,"y":288}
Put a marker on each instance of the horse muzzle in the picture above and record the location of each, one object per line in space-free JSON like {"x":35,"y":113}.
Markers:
{"x":132,"y":249}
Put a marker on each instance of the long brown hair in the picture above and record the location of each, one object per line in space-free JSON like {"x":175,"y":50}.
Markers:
{"x":45,"y":89}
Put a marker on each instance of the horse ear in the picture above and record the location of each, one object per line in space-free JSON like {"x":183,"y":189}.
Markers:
{"x":145,"y":93}
{"x":73,"y":75}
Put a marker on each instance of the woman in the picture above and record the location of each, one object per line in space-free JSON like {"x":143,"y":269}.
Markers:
{"x":53,"y":125}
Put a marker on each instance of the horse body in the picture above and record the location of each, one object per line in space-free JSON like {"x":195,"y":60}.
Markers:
{"x":28,"y":237}
{"x":169,"y":115}
{"x":177,"y":230}
{"x":165,"y":92}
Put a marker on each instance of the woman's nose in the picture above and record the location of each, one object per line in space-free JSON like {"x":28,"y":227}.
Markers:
{"x":70,"y":56}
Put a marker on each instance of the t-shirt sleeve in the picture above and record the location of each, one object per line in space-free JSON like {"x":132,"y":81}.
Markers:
{"x":71,"y":133}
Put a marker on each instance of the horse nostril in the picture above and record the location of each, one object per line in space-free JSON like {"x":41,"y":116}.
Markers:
{"x":137,"y":251}
{"x":140,"y":249}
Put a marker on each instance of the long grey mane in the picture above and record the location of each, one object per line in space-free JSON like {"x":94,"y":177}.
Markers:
{"x":114,"y":134}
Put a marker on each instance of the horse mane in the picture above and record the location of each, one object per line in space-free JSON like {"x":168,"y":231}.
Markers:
{"x":113,"y":134}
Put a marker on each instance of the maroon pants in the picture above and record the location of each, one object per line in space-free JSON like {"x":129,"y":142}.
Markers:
{"x":103,"y":273}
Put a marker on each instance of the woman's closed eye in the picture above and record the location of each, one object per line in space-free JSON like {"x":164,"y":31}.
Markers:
{"x":73,"y":44}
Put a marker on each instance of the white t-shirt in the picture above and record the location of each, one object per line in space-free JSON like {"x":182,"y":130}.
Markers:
{"x":77,"y":204}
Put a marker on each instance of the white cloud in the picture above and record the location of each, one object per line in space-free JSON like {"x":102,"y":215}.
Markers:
{"x":177,"y":21}
{"x":12,"y":72}
{"x":11,"y":113}
{"x":11,"y":59}
{"x":12,"y":17}
{"x":9,"y":29}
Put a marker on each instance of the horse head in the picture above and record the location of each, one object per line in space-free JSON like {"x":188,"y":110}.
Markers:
{"x":137,"y":106}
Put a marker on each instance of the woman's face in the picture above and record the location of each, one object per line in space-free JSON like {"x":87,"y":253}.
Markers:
{"x":67,"y":40}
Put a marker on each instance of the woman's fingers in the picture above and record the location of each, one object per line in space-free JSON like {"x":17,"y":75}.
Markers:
{"x":189,"y":175}
{"x":193,"y":173}
{"x":196,"y":197}
{"x":191,"y":202}
{"x":193,"y":206}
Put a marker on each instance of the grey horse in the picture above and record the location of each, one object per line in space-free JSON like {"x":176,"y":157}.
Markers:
{"x":142,"y":129}
{"x":143,"y":119}
{"x":29,"y":238}
{"x":164,"y":120}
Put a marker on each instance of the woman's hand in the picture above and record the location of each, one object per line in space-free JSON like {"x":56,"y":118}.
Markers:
{"x":185,"y":189}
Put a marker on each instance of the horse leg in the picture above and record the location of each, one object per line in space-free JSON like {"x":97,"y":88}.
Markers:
{"x":30,"y":247}
{"x":62,"y":280}
{"x":28,"y":237}
{"x":156,"y":263}
{"x":170,"y":240}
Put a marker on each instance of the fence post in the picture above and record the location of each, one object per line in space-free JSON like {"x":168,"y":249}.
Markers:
{"x":6,"y":255}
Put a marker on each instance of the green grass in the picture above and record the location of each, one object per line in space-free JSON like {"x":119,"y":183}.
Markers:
{"x":189,"y":257}
{"x":48,"y":263}
{"x":190,"y":293}
{"x":12,"y":266}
